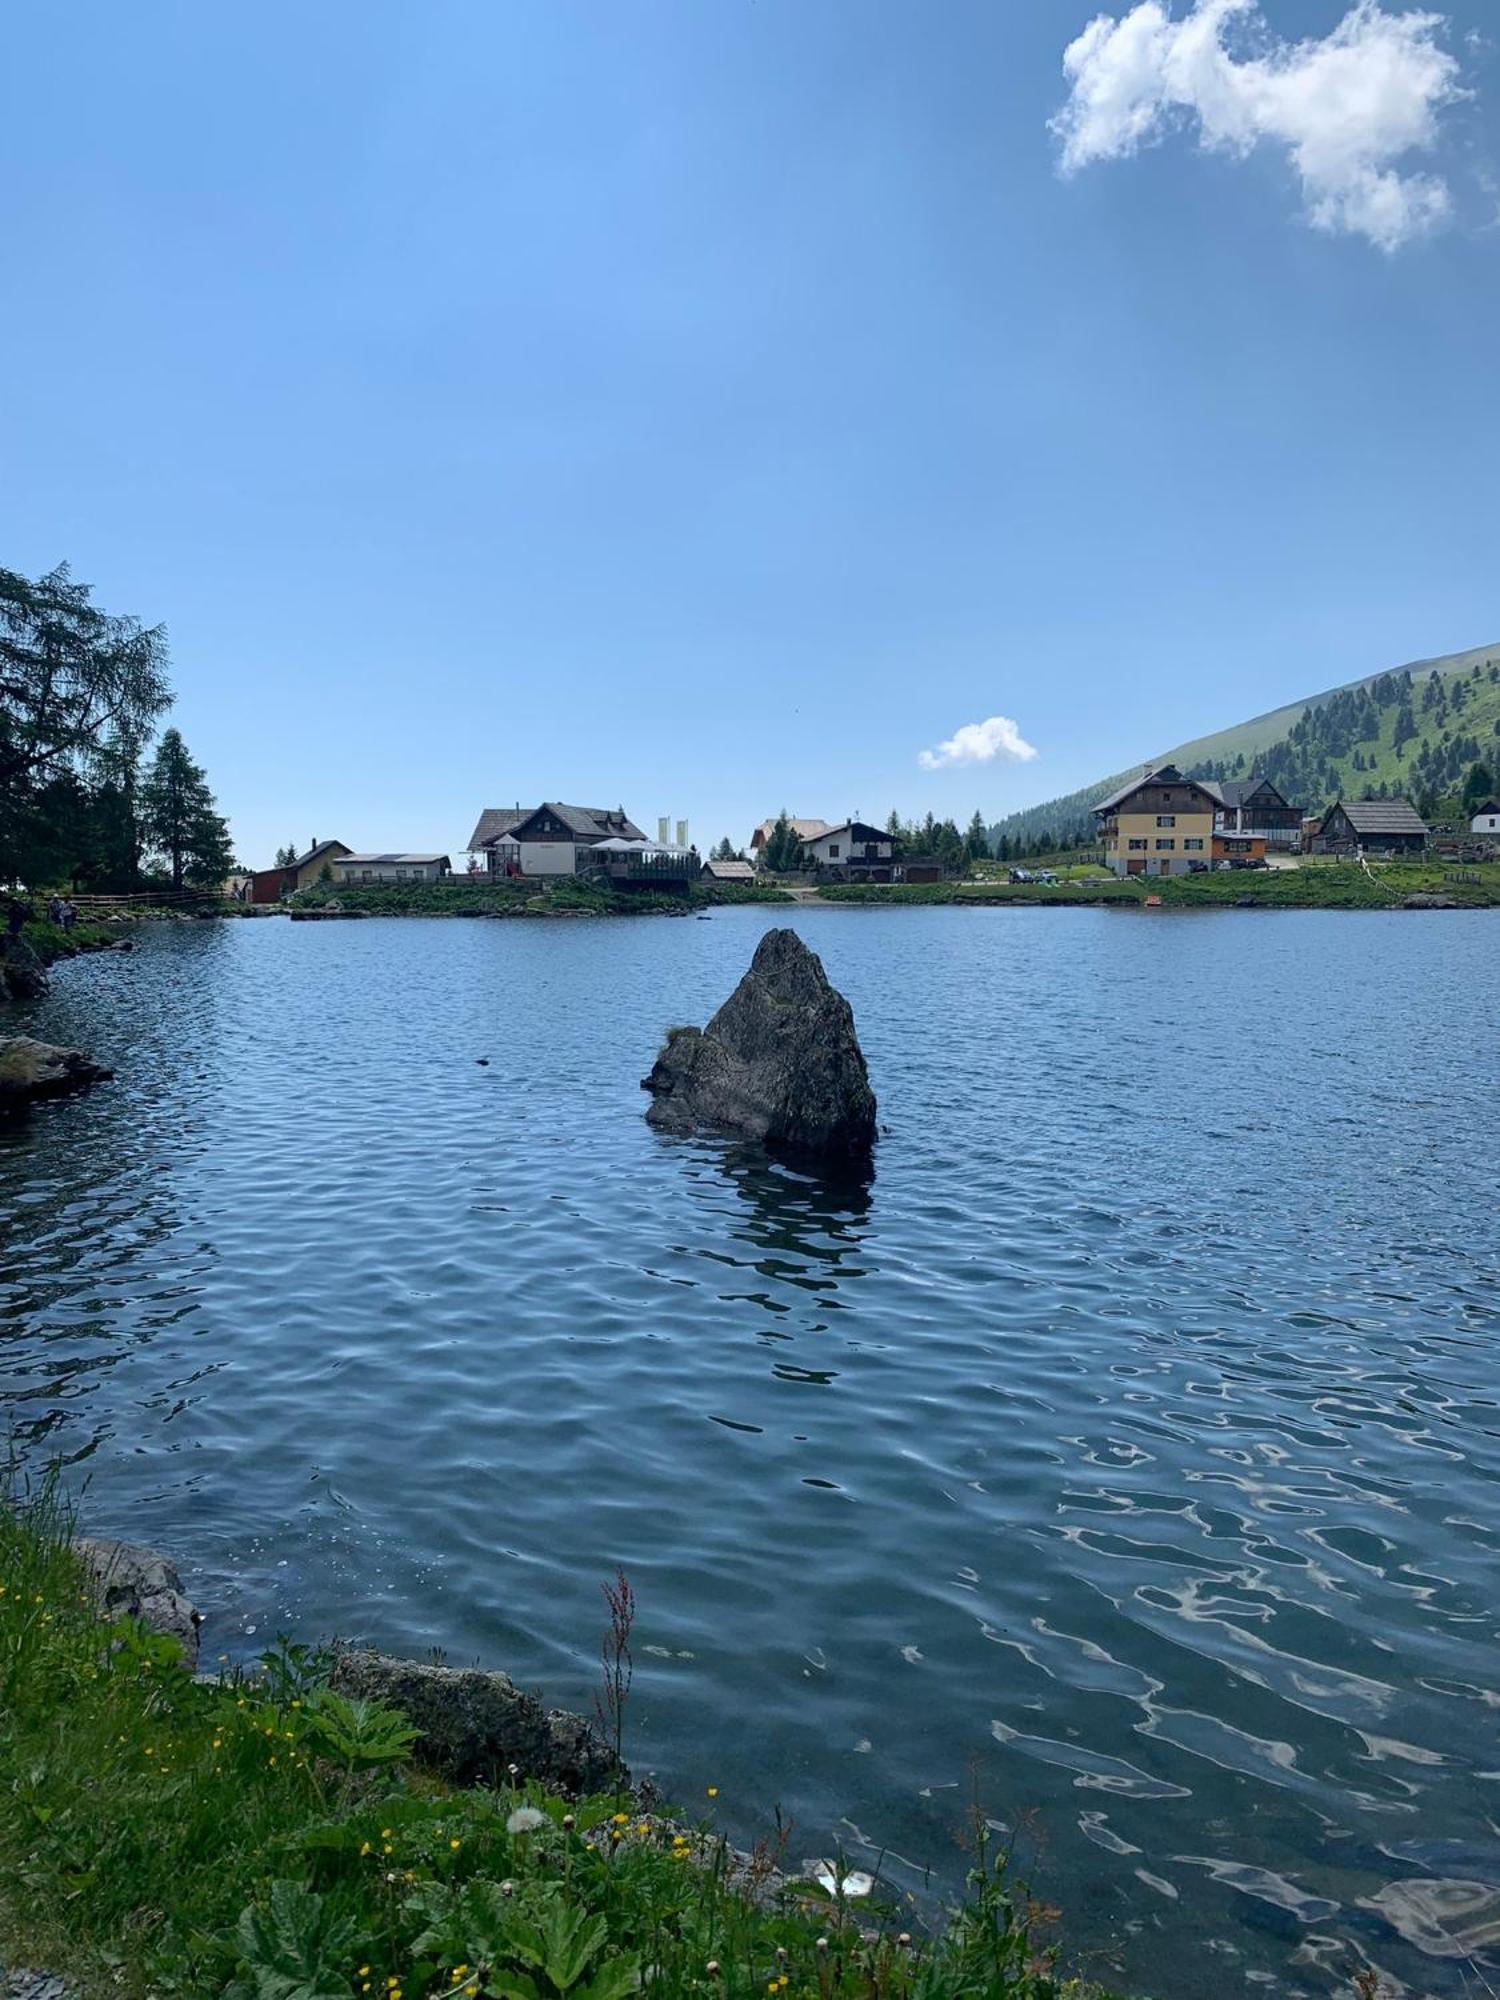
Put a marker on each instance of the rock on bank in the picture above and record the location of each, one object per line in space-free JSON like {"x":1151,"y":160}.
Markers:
{"x":30,"y":1070}
{"x":474,"y":1725}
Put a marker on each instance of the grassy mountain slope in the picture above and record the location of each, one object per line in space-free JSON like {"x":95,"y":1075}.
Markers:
{"x":1349,"y":744}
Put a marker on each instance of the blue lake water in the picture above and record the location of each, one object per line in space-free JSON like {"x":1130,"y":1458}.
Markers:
{"x":1128,"y":1449}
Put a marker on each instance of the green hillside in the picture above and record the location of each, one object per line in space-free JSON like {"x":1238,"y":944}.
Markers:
{"x":1413,"y":731}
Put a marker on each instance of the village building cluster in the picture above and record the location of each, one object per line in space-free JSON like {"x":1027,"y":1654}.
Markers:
{"x":1161,"y":823}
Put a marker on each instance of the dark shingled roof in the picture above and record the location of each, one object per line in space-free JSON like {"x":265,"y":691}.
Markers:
{"x":584,"y":822}
{"x":1235,"y":791}
{"x":1163,"y":774}
{"x":1377,"y":816}
{"x":495,"y":820}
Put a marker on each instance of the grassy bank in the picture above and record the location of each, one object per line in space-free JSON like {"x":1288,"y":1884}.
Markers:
{"x":264,"y":1839}
{"x":1318,"y":885}
{"x":1094,"y":890}
{"x":568,"y":897}
{"x":50,"y":942}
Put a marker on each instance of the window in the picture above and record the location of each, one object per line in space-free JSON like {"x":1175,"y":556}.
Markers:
{"x":1164,"y":843}
{"x":1198,"y":844}
{"x":1136,"y":844}
{"x":1166,"y":819}
{"x":833,"y":850}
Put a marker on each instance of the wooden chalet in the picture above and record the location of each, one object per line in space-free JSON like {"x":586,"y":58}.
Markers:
{"x":1253,"y":806}
{"x":1371,"y":826}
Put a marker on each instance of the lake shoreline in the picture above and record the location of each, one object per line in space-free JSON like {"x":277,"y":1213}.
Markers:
{"x":409,"y":1810}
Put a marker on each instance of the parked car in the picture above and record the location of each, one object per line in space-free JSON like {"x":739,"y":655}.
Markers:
{"x":1021,"y":875}
{"x":1045,"y":875}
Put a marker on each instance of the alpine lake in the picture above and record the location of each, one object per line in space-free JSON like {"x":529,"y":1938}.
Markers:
{"x":1124,"y":1456}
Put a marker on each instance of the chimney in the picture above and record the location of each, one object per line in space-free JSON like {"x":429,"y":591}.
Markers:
{"x":682,"y":833}
{"x":663,"y":834}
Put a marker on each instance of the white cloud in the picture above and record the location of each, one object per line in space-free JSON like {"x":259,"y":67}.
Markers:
{"x":980,"y":743}
{"x":1346,"y":106}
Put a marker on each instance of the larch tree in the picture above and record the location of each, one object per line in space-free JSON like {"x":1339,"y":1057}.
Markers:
{"x":74,"y":681}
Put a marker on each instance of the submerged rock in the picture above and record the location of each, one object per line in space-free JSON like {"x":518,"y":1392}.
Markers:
{"x":779,"y":1062}
{"x":22,"y":974}
{"x":475,"y":1724}
{"x":128,"y":1581}
{"x":20,"y":1984}
{"x":29,"y":1070}
{"x":1424,"y":899}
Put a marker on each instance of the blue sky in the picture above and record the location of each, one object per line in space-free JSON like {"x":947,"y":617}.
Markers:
{"x":711,"y":407}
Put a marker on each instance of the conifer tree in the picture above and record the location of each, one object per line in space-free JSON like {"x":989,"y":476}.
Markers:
{"x":180,"y":819}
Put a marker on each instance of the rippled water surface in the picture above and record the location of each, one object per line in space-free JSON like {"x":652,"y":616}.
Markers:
{"x":1128,"y":1448}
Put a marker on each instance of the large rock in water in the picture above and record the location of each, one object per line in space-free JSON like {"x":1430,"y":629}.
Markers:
{"x":29,"y":1070}
{"x":779,"y":1062}
{"x":127,"y":1581}
{"x":474,"y":1725}
{"x":22,"y":974}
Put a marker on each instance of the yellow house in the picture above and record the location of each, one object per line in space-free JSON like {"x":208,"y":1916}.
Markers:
{"x":1159,"y":824}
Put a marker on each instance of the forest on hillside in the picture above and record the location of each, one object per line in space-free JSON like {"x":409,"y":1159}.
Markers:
{"x":1398,"y":735}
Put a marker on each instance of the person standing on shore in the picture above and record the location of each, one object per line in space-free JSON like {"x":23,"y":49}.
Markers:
{"x":67,"y":916}
{"x":54,"y":908}
{"x":16,"y":917}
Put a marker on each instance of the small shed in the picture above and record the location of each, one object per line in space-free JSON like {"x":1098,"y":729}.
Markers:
{"x":1486,"y":818}
{"x":728,"y":871}
{"x":1372,"y":826}
{"x":1238,"y":850}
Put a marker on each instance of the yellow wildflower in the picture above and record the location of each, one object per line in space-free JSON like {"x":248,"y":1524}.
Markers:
{"x":455,"y":1845}
{"x":713,"y":1791}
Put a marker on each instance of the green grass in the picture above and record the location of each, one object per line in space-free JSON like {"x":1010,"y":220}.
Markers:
{"x":263,"y":1839}
{"x":1316,"y":885}
{"x":1095,"y":889}
{"x":523,"y":899}
{"x":50,"y":942}
{"x":1332,"y":885}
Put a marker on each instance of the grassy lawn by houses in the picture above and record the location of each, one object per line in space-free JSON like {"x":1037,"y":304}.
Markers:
{"x":1316,"y":885}
{"x":263,"y":1838}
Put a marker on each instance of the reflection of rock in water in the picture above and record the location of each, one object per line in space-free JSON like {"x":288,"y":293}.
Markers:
{"x":804,"y":1227}
{"x":779,"y":1062}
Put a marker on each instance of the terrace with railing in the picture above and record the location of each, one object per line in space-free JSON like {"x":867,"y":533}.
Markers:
{"x":650,"y":864}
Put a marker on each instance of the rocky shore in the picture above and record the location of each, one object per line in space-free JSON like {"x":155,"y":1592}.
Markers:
{"x":474,"y":1724}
